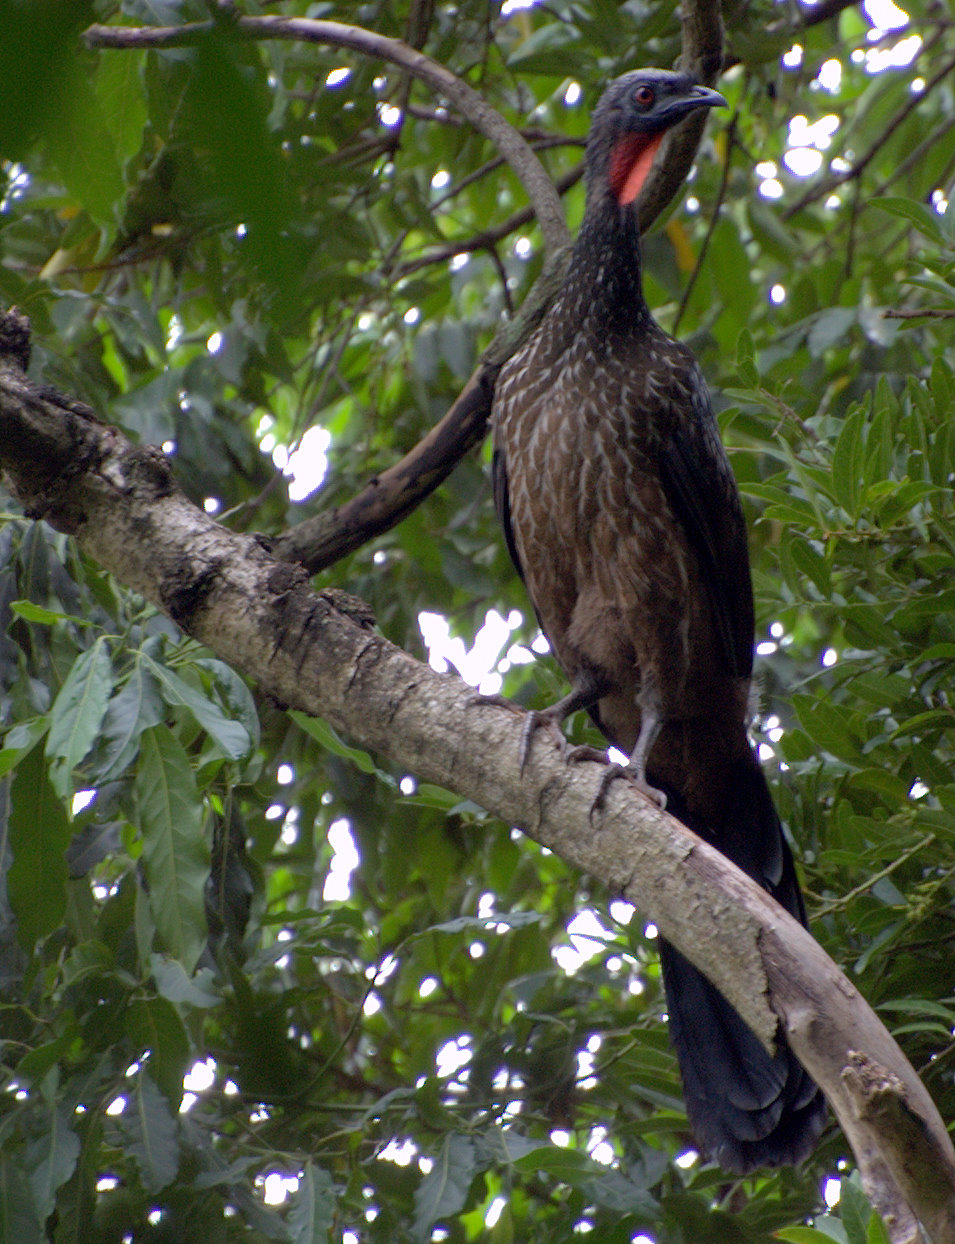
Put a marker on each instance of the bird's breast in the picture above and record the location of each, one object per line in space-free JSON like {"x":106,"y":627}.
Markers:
{"x":580,"y":430}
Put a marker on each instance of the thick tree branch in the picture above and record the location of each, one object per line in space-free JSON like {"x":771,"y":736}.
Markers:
{"x":123,"y":507}
{"x":487,"y":120}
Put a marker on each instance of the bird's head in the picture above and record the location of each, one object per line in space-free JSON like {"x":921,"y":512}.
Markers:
{"x":629,"y":122}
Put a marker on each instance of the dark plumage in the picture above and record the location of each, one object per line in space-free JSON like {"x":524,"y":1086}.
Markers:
{"x":622,"y":516}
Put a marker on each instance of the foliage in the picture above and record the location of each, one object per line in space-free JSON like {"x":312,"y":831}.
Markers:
{"x":221,"y":246}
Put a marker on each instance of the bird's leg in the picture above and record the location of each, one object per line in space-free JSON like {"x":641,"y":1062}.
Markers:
{"x":586,"y":689}
{"x":636,"y":768}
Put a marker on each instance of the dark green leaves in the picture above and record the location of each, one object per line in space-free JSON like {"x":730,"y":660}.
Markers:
{"x":312,"y":1214}
{"x":175,"y":859}
{"x":77,"y":714}
{"x":148,"y":1128}
{"x":444,"y":1189}
{"x":39,"y":835}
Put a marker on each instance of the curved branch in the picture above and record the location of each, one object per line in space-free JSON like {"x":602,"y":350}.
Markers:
{"x":319,"y":541}
{"x":484,"y":118}
{"x":714,"y":221}
{"x":702,"y":56}
{"x":302,"y":648}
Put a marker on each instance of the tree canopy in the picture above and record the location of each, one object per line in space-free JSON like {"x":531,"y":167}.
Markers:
{"x":257,"y":983}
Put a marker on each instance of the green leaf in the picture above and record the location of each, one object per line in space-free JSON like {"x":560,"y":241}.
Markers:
{"x":173,"y":983}
{"x":773,"y":237}
{"x":830,"y":327}
{"x":154,"y":1027}
{"x":505,"y":1146}
{"x":31,"y":612}
{"x":137,"y":707}
{"x":175,"y":857}
{"x":18,"y":1214}
{"x":52,"y":1158}
{"x":746,"y":359}
{"x":513,"y":920}
{"x":39,"y":836}
{"x":801,"y":1235}
{"x":921,"y":216}
{"x":571,"y":1166}
{"x":615,"y":1192}
{"x":231,"y":736}
{"x":444,"y":1189}
{"x":77,"y":714}
{"x":119,"y":90}
{"x":321,"y":731}
{"x":854,"y":1210}
{"x":20,"y":741}
{"x":82,"y":148}
{"x":149,"y":1130}
{"x":549,"y":50}
{"x":829,"y":725}
{"x":876,"y":1232}
{"x":236,"y":693}
{"x":848,"y":459}
{"x":313,"y":1205}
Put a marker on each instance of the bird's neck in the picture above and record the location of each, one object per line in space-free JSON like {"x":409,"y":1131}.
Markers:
{"x":604,"y":291}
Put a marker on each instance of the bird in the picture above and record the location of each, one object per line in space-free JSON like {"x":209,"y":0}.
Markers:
{"x":622,"y":516}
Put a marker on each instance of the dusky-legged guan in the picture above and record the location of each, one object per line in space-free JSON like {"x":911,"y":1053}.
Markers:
{"x":622,"y":516}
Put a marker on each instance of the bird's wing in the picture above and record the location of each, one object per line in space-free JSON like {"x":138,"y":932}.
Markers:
{"x":699,"y":485}
{"x":502,"y":505}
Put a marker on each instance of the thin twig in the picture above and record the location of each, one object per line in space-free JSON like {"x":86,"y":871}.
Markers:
{"x":926,"y":313}
{"x":844,"y":900}
{"x":489,"y":238}
{"x":714,"y":219}
{"x":829,"y":184}
{"x":539,"y":144}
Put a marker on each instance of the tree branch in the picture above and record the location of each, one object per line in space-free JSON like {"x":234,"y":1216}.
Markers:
{"x":714,"y":221}
{"x":488,"y":238}
{"x":125,"y":510}
{"x":319,"y":541}
{"x":701,"y":56}
{"x":829,"y":184}
{"x":926,"y":313}
{"x":487,"y":120}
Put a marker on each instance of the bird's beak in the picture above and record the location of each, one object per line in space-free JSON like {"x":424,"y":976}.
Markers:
{"x":706,"y":97}
{"x":673,"y":108}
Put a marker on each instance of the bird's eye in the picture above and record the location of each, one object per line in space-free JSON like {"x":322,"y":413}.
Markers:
{"x":644,"y":96}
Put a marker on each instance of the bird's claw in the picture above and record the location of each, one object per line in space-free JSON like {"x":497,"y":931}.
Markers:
{"x":583,"y":751}
{"x":534,"y":719}
{"x":638,"y":780}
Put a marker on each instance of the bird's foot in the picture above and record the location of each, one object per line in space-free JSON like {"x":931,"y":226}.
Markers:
{"x":583,"y":751}
{"x":635,"y":778}
{"x":533,"y":720}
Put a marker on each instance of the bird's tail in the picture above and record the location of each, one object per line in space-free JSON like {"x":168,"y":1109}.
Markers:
{"x":747,"y":1108}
